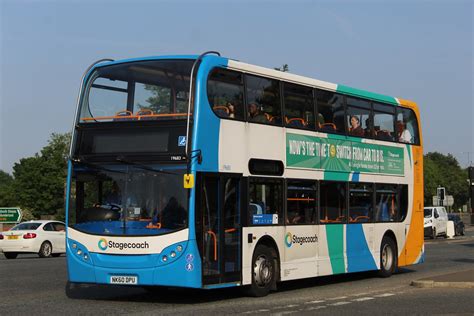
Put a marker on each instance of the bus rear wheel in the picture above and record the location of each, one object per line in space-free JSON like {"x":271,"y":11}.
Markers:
{"x":263,"y":272}
{"x":388,"y":257}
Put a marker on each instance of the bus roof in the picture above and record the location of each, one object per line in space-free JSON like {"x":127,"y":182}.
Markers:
{"x":276,"y":74}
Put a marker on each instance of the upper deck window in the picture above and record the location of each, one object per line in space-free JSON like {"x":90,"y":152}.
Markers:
{"x":358,"y":118}
{"x":407,"y":127}
{"x":384,"y":121}
{"x":330,"y":111}
{"x":147,"y":90}
{"x":263,"y":100}
{"x":225,"y":90}
{"x":299,"y":106}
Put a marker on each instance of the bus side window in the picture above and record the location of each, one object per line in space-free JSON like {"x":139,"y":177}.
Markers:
{"x":360,"y":202}
{"x":265,"y":201}
{"x":384,"y":122}
{"x":330,"y":112}
{"x":225,"y":91}
{"x":333,"y":202}
{"x":263,"y":100}
{"x":407,"y":126}
{"x":299,"y":107}
{"x":301,"y":202}
{"x":386,"y":203}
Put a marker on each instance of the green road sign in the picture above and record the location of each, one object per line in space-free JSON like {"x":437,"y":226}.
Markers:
{"x":10,"y":215}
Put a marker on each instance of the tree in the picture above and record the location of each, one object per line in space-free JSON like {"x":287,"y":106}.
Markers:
{"x":444,"y":170}
{"x":39,"y":181}
{"x":283,"y":68}
{"x":6,"y":195}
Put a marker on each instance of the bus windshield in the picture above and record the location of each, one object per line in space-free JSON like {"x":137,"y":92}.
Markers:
{"x":146,"y":90}
{"x":129,"y":200}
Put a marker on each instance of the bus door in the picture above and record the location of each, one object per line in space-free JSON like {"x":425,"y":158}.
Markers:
{"x":220,"y":227}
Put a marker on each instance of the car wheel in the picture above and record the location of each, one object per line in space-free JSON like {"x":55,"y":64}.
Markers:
{"x":433,"y":236}
{"x":388,"y":257}
{"x":462,"y":231}
{"x":45,"y":250}
{"x":10,"y":255}
{"x":263,"y":272}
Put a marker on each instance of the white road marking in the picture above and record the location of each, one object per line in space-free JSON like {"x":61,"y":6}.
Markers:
{"x":362,"y":299}
{"x":315,"y":302}
{"x":339,"y":303}
{"x":384,"y":295}
{"x":315,"y":307}
{"x":337,"y":298}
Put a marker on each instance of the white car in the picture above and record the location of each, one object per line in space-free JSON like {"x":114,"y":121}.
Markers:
{"x":46,"y":238}
{"x":436,"y":221}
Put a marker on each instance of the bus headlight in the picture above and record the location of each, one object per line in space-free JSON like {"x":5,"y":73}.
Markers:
{"x":179,"y":248}
{"x":172,"y":254}
{"x":164,"y":258}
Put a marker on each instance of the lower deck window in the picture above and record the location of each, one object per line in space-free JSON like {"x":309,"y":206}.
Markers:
{"x":333,"y":202}
{"x":265,"y":201}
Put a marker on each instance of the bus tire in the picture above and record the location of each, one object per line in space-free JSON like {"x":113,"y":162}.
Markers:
{"x":388,"y":257}
{"x":45,"y":250}
{"x":263,"y":271}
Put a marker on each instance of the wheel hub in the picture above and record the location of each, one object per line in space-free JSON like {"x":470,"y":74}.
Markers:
{"x":263,"y":271}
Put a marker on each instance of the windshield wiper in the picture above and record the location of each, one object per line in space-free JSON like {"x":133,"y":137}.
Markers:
{"x":121,"y":159}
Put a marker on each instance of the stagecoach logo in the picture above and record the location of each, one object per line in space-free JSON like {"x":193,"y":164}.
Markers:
{"x":291,"y":239}
{"x":102,"y":244}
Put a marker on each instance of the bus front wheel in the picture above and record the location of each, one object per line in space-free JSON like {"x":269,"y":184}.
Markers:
{"x":263,"y":271}
{"x":388,"y":257}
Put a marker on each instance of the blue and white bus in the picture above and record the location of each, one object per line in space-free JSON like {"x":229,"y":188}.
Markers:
{"x":206,"y":172}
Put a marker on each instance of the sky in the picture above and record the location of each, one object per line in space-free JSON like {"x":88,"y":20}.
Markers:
{"x":417,"y":50}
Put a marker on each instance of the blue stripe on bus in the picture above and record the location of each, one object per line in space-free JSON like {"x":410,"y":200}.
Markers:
{"x":355,"y":176}
{"x":359,"y":257}
{"x":205,"y":134}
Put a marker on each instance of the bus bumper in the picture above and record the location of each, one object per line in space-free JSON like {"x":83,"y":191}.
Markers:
{"x":182,"y":271}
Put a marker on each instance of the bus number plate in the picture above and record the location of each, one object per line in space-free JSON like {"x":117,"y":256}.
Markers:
{"x":123,"y":279}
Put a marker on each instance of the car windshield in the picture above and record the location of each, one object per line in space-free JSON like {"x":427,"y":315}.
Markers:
{"x":129,"y":199}
{"x":27,"y":226}
{"x":135,"y":91}
{"x":427,"y":212}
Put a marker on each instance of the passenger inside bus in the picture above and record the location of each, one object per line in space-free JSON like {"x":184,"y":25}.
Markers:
{"x":255,"y":114}
{"x":354,"y":126}
{"x":403,"y":134}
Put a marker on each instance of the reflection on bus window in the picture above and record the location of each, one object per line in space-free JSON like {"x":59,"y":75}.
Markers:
{"x":301,"y":202}
{"x":407,"y":127}
{"x":384,"y":122}
{"x":299,"y":107}
{"x":333,"y":202}
{"x":129,"y":201}
{"x":330,"y":112}
{"x":225,"y":91}
{"x":386,"y":203}
{"x":358,"y":118}
{"x":265,"y":202}
{"x":263,"y":100}
{"x":148,"y":90}
{"x":360,"y":202}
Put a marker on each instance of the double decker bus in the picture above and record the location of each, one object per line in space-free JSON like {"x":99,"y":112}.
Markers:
{"x":206,"y":172}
